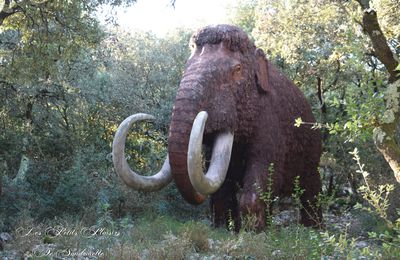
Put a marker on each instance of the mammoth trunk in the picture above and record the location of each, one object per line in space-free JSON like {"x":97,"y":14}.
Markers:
{"x":186,"y":107}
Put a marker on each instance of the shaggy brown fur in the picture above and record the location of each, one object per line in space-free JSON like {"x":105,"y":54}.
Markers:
{"x":230,"y":78}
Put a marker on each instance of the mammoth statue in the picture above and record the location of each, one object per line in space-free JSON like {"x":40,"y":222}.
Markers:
{"x":234,"y":108}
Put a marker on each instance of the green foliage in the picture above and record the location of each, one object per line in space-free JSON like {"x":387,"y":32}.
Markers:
{"x":242,"y":14}
{"x":296,"y":196}
{"x":377,"y":199}
{"x":48,"y":37}
{"x":343,"y":246}
{"x":231,"y":222}
{"x":144,"y":69}
{"x":266,"y":193}
{"x":168,"y":238}
{"x":65,"y":85}
{"x":388,"y":19}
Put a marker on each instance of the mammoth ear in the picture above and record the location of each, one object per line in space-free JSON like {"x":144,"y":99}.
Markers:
{"x":261,"y":71}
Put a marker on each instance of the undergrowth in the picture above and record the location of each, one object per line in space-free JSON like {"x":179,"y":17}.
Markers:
{"x":153,"y":235}
{"x":164,"y":237}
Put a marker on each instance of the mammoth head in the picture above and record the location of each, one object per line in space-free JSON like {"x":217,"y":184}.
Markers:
{"x":222,"y":78}
{"x":237,"y":45}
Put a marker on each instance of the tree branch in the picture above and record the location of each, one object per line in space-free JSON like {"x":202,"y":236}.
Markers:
{"x":364,"y":3}
{"x":379,"y":42}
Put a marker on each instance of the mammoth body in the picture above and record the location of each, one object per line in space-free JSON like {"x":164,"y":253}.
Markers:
{"x":235,"y":108}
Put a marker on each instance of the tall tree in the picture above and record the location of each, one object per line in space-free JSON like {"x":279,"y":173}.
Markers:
{"x":386,"y":132}
{"x":41,"y":41}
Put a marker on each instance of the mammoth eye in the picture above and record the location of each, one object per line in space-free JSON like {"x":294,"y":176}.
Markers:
{"x":237,"y":69}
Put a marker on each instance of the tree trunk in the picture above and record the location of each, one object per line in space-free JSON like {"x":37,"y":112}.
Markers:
{"x":385,"y":135}
{"x":385,"y":141}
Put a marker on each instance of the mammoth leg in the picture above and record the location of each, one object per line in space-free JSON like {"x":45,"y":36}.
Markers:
{"x":224,"y":203}
{"x":311,"y":213}
{"x":253,"y":209}
{"x":224,"y":206}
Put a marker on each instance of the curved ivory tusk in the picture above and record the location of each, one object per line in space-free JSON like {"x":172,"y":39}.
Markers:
{"x":221,"y":155}
{"x":131,"y":178}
